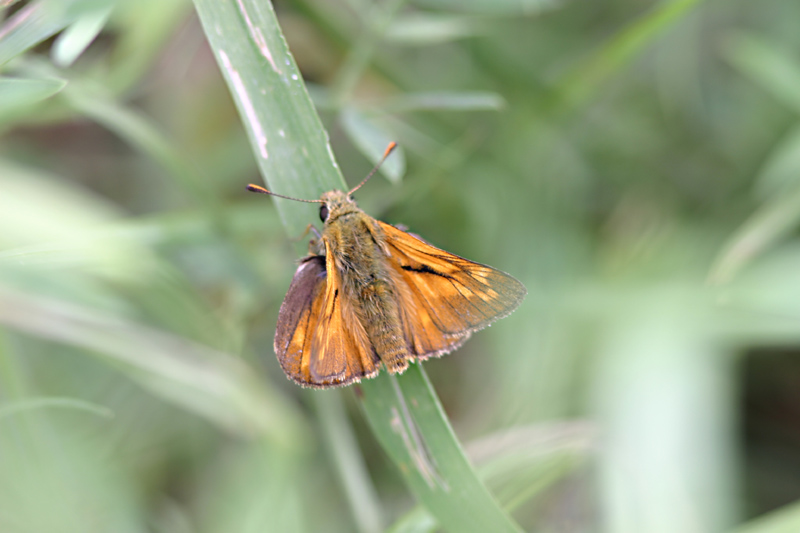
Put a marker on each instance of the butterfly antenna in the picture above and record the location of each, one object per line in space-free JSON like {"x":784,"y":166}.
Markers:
{"x":262,"y":190}
{"x":389,"y":149}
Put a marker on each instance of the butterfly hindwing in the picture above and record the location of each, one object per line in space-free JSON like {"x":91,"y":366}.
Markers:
{"x":298,"y":318}
{"x":319,"y":340}
{"x":341,"y":350}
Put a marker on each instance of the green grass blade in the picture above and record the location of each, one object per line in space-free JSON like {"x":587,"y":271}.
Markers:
{"x":293,"y":154}
{"x":776,"y":71}
{"x":288,"y":140}
{"x":412,"y":427}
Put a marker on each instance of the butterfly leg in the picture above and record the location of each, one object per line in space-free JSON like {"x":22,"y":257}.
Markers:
{"x":310,"y":228}
{"x":315,"y":246}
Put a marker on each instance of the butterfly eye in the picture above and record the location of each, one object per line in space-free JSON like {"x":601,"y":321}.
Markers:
{"x":323,"y":212}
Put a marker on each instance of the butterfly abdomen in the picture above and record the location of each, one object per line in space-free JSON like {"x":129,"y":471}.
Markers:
{"x":381,"y":319}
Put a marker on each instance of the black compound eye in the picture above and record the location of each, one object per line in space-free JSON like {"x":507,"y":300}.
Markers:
{"x":323,"y":212}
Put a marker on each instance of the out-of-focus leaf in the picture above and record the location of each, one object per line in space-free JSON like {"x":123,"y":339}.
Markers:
{"x":443,"y":101}
{"x":48,"y":224}
{"x":207,"y":382}
{"x":418,"y":520}
{"x":764,"y":228}
{"x":492,"y":7}
{"x":765,"y":64}
{"x":432,"y":28}
{"x":521,"y":461}
{"x":518,"y":463}
{"x":18,"y":93}
{"x":413,"y":429}
{"x":30,"y":193}
{"x":78,"y":36}
{"x":762,"y":304}
{"x":142,"y":29}
{"x":29,"y":404}
{"x":578,"y":85}
{"x":59,"y":474}
{"x":372,"y":140}
{"x":7,"y":3}
{"x":362,"y":49}
{"x":349,"y":462}
{"x":252,"y":489}
{"x":785,"y":519}
{"x":781,"y":171}
{"x":141,"y":133}
{"x":664,"y":399}
{"x":41,"y":20}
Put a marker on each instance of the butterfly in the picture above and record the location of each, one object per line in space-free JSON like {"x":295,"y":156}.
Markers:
{"x":370,"y":294}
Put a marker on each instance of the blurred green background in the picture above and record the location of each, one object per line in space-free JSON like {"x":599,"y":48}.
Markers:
{"x":635,"y":164}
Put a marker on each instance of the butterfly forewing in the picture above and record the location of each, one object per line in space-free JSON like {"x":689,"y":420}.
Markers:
{"x":447,"y":296}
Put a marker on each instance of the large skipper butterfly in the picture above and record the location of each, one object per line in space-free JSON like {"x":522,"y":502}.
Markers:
{"x":369,"y":293}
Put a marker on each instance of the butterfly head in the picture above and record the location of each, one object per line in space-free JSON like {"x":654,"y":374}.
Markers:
{"x":336,"y":204}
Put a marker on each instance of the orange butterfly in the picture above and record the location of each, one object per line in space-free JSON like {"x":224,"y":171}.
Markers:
{"x":370,"y":293}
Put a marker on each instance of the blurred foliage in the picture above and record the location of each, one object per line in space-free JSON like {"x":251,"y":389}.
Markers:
{"x":636,"y":165}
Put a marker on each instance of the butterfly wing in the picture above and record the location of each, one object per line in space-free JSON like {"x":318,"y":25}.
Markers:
{"x":319,"y":341}
{"x":341,"y":352}
{"x":298,"y":319}
{"x":444,"y":297}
